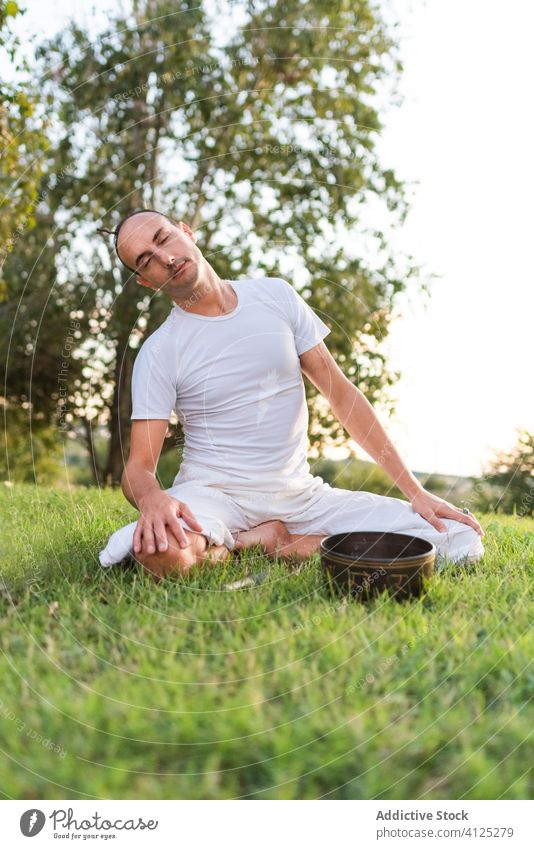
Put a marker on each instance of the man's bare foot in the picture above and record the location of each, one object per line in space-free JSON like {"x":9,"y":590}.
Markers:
{"x":215,"y":553}
{"x":271,"y":536}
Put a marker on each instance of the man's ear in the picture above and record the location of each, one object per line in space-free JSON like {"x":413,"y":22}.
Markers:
{"x":145,"y":283}
{"x":183,"y":226}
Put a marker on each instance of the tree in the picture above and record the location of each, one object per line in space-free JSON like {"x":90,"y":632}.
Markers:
{"x":510,"y":478}
{"x":265,"y":145}
{"x":30,"y":446}
{"x":22,"y":135}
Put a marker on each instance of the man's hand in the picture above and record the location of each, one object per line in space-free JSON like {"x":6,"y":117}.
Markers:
{"x":431,"y":508}
{"x":157,"y":511}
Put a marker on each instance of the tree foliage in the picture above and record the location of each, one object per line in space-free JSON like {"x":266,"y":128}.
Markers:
{"x":508,"y":484}
{"x":22,"y":137}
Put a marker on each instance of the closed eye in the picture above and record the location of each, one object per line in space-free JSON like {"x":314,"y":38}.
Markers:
{"x":146,"y":262}
{"x":162,"y":242}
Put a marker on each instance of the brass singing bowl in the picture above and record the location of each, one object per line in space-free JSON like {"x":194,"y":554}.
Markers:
{"x":366,"y":563}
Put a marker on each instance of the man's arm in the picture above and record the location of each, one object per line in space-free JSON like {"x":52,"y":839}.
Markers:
{"x":355,"y":413}
{"x":141,"y":488}
{"x":138,"y":478}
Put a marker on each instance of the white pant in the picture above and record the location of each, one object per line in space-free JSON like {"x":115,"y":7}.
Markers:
{"x":318,"y":509}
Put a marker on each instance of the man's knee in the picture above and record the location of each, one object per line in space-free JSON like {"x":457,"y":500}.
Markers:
{"x":175,"y":559}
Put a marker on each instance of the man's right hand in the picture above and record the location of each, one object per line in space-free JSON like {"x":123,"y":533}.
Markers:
{"x":158,"y":511}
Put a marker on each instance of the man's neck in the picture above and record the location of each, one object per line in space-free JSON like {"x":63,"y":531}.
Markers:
{"x":210,"y":296}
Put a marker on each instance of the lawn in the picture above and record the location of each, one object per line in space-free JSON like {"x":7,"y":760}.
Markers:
{"x":115,"y":687}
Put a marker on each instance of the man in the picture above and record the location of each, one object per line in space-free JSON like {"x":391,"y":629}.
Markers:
{"x":229,"y":360}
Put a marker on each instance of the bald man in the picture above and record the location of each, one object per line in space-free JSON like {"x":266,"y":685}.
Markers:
{"x":229,"y":361}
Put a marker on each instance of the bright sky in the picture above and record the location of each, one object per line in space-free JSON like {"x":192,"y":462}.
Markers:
{"x":465,"y":133}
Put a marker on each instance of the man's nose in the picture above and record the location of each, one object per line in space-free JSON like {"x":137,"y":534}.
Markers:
{"x":165,"y":259}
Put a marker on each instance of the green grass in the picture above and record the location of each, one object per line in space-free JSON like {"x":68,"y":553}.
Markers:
{"x":184,"y":690}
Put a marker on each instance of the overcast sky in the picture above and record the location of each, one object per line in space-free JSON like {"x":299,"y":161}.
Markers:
{"x":465,"y":133}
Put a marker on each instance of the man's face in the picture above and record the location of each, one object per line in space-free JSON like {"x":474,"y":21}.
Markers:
{"x":164,"y":254}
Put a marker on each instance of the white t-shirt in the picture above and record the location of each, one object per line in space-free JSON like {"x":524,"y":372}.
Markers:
{"x":235,"y":384}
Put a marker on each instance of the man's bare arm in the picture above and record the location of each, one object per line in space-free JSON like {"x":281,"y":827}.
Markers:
{"x":142,"y":490}
{"x":355,"y":413}
{"x":138,"y":478}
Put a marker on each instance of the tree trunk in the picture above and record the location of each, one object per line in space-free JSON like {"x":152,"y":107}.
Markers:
{"x":93,"y":459}
{"x":120,"y":410}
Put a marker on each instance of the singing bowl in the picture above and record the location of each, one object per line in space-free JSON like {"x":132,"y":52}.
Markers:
{"x":366,"y":563}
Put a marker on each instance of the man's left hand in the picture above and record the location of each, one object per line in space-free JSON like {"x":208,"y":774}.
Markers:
{"x":432,"y":508}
